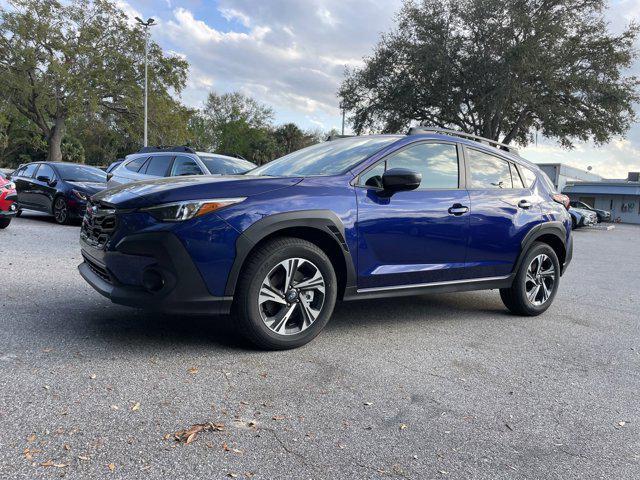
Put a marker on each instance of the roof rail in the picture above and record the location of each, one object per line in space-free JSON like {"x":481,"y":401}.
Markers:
{"x":337,"y":137}
{"x":444,"y":131}
{"x":167,"y":148}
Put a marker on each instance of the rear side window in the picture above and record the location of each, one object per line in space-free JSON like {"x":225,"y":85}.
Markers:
{"x":158,"y":165}
{"x":515,"y":177}
{"x":487,"y":171}
{"x":29,"y":170}
{"x":529,"y":176}
{"x":185,"y":166}
{"x":135,"y":164}
{"x":437,"y":162}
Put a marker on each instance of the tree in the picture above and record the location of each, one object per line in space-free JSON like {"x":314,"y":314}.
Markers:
{"x":290,"y":138}
{"x":500,"y":69}
{"x":59,"y":59}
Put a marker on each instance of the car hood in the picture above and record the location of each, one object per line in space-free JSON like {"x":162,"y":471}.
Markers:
{"x":197,"y":187}
{"x":88,"y":187}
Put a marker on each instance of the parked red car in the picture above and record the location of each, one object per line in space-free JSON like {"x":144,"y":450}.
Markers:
{"x":8,"y":197}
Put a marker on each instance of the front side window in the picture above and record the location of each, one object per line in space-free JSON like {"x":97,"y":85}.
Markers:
{"x":183,"y":165}
{"x":437,"y":162}
{"x":46,"y":171}
{"x":487,"y":171}
{"x":326,"y":158}
{"x":158,"y":165}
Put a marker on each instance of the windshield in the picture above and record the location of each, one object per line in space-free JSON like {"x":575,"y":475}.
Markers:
{"x":326,"y":158}
{"x":218,"y":165}
{"x":81,"y":173}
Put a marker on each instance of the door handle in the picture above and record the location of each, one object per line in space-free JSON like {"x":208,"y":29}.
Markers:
{"x":457,"y":209}
{"x":524,"y":204}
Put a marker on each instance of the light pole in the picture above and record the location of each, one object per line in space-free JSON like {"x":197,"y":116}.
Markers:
{"x":149,"y":23}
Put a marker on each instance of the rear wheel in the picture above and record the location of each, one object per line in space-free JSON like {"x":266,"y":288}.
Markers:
{"x":536,"y":282}
{"x":4,"y":222}
{"x":61,"y":211}
{"x":286,"y":294}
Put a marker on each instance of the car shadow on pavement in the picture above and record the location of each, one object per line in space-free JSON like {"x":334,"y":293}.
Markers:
{"x":143,"y":329}
{"x":40,"y":217}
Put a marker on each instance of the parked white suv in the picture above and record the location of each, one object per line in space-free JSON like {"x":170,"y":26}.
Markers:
{"x":152,"y":162}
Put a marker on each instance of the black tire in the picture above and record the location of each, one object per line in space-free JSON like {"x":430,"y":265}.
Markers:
{"x":60,"y":211}
{"x":250,"y":313}
{"x":4,"y":222}
{"x":515,"y":298}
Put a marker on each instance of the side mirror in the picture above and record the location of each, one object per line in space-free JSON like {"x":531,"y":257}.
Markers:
{"x":109,"y":176}
{"x":45,"y":179}
{"x":400,"y":180}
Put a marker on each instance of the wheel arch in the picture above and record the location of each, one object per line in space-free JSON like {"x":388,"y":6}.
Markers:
{"x":320,"y":227}
{"x":551,"y":233}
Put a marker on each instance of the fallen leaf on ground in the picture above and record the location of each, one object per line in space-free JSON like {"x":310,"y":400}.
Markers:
{"x":135,"y":407}
{"x":66,"y":447}
{"x":83,"y":457}
{"x":189,"y":435}
{"x":622,"y":424}
{"x":92,"y":376}
{"x":232,"y":475}
{"x":31,"y":438}
{"x":193,"y":370}
{"x":46,"y":387}
{"x":114,"y":407}
{"x":403,"y":426}
{"x":51,"y":463}
{"x":111,"y":466}
{"x":278,"y":417}
{"x":368,"y":404}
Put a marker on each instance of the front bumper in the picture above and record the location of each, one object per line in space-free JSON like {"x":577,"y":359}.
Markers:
{"x":123,"y":275}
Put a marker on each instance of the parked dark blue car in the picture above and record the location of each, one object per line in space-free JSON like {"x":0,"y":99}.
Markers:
{"x":353,"y":218}
{"x":58,"y":188}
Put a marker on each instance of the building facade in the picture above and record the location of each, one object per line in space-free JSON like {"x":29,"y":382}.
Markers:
{"x":560,"y":174}
{"x":620,"y":197}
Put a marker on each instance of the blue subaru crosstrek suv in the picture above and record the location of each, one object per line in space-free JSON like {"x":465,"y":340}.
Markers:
{"x":351,"y":218}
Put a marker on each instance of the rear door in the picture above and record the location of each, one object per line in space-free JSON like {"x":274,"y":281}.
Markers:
{"x":24,"y":185}
{"x":503,"y":210}
{"x":185,"y":165}
{"x":418,"y":236}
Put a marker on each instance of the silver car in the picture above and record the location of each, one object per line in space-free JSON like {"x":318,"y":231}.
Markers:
{"x":153,"y":162}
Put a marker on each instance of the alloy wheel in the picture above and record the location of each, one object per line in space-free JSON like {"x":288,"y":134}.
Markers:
{"x":541,"y":279}
{"x":60,"y":210}
{"x":291,"y":296}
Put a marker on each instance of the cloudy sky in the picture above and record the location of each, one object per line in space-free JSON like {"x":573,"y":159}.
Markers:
{"x":291,"y":54}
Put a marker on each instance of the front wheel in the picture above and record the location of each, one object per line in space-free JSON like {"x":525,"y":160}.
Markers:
{"x":536,"y":282}
{"x":286,"y":294}
{"x":4,"y":222}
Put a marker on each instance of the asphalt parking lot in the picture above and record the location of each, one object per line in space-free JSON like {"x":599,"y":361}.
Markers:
{"x":447,"y":386}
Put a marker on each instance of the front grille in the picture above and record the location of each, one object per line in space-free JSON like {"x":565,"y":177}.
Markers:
{"x":98,"y":225}
{"x":97,"y":269}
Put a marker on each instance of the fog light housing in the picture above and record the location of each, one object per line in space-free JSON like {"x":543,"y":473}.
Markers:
{"x":152,"y":280}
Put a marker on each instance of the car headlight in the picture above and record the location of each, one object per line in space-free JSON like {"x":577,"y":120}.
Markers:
{"x":80,"y":195}
{"x":180,"y":211}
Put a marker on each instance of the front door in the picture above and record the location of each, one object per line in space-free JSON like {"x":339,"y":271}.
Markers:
{"x":418,"y":236}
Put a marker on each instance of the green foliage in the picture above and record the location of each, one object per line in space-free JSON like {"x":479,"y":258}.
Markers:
{"x":500,"y":69}
{"x":72,"y":150}
{"x":81,"y":57}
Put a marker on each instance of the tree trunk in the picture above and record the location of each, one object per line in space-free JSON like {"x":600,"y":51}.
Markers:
{"x":54,"y":140}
